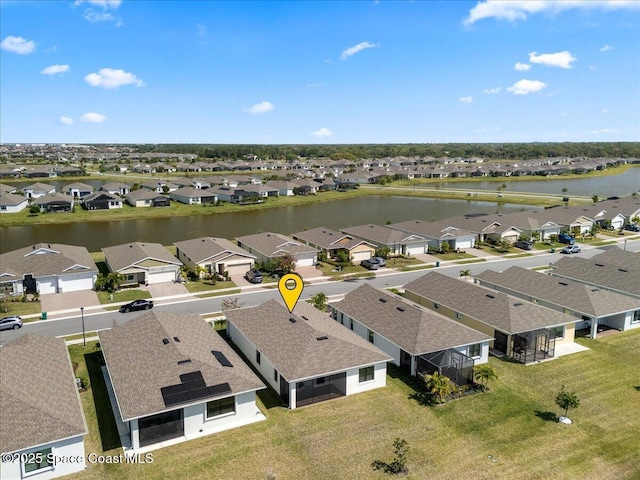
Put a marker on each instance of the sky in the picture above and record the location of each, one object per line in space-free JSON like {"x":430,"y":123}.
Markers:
{"x":132,"y":71}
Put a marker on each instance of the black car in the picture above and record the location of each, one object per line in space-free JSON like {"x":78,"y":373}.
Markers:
{"x":369,"y":265}
{"x":253,"y":276}
{"x":523,"y":244}
{"x":632,"y":227}
{"x":136,"y":305}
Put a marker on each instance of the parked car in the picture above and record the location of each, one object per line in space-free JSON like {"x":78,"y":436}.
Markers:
{"x":12,"y":322}
{"x":369,"y":265}
{"x":253,"y":276}
{"x":566,"y":238}
{"x":632,"y":227}
{"x":136,"y":305}
{"x":525,"y":245}
{"x":571,"y":249}
{"x":379,"y":260}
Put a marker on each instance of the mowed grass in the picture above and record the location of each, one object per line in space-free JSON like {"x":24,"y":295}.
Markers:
{"x":502,"y":434}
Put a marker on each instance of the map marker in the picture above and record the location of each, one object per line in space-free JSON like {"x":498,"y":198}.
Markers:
{"x":290,"y":286}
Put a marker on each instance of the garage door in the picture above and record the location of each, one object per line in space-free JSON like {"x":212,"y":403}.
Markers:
{"x":47,"y":285}
{"x":161,"y":277}
{"x":238,"y":269}
{"x":415,"y":249}
{"x":306,"y":261}
{"x":362,"y":255}
{"x":74,"y":283}
{"x":464,"y":243}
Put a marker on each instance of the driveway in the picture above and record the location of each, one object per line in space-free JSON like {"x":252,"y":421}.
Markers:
{"x":165,"y":289}
{"x":309,"y":272}
{"x":52,"y":302}
{"x":239,"y":280}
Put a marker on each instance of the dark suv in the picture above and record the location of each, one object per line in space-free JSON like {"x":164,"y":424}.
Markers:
{"x":369,"y":265}
{"x":253,"y":276}
{"x":566,"y":238}
{"x":525,"y":245}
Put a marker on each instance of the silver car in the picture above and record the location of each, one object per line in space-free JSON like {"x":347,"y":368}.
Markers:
{"x":7,"y":323}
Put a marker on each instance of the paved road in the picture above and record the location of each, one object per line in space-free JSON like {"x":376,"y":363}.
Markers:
{"x":102,"y":320}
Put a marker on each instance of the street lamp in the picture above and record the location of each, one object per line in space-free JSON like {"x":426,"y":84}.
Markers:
{"x":84,"y":340}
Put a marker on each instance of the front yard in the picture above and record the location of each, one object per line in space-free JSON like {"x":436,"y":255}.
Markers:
{"x":505,"y":433}
{"x":126,"y":295}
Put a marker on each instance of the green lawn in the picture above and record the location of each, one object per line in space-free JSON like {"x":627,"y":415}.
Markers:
{"x":21,"y":308}
{"x":207,"y":285}
{"x":452,"y":256}
{"x":504,"y":434}
{"x":126,"y":295}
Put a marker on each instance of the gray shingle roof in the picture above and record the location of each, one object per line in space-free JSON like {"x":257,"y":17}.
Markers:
{"x":205,"y":248}
{"x":45,"y":259}
{"x":498,"y":310}
{"x":414,"y":329}
{"x":329,"y":239}
{"x":119,"y":257}
{"x":274,"y":244}
{"x":11,"y":199}
{"x":575,"y":296}
{"x":140,"y":364}
{"x":441,"y":229}
{"x":39,"y":401}
{"x":53,"y":197}
{"x":294,"y":349}
{"x":381,"y":235}
{"x":143,"y":194}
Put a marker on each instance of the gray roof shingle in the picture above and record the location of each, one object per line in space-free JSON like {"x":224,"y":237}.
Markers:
{"x":45,"y":259}
{"x":329,"y":239}
{"x":274,"y":244}
{"x":205,"y":248}
{"x":120,"y":257}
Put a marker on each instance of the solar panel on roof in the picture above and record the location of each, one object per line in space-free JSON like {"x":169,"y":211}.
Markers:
{"x":192,"y":387}
{"x":224,"y":361}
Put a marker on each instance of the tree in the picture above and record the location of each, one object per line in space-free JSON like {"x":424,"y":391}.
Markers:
{"x":343,"y":257}
{"x":465,"y":273}
{"x":399,"y":464}
{"x":319,"y":300}
{"x":286,"y":263}
{"x":231,"y":303}
{"x":35,"y":209}
{"x":110,"y":282}
{"x":566,"y":400}
{"x":595,"y":198}
{"x":383,"y":252}
{"x":483,"y":374}
{"x":439,"y":386}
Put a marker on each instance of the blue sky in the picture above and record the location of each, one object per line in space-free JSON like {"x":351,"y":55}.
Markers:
{"x":111,"y":71}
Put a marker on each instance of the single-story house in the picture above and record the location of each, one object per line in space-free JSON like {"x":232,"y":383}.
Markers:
{"x":47,"y":268}
{"x":285,"y":189}
{"x":593,"y":306}
{"x":116,"y":188}
{"x":215,"y":255}
{"x":78,"y":190}
{"x":524,"y":331}
{"x":38,"y":190}
{"x":268,"y":246}
{"x":54,"y":203}
{"x":488,"y":228}
{"x":306,"y":187}
{"x":144,"y":263}
{"x":101,"y":201}
{"x":331,"y":242}
{"x":438,"y":233}
{"x":11,"y":203}
{"x":193,"y":195}
{"x":398,"y":242}
{"x":70,"y":171}
{"x":146,"y":198}
{"x":615,"y":270}
{"x":260,"y":190}
{"x":159,"y":186}
{"x":42,"y":172}
{"x":39,"y":419}
{"x":172,"y":378}
{"x":419,"y":341}
{"x":305,"y":356}
{"x":4,"y":188}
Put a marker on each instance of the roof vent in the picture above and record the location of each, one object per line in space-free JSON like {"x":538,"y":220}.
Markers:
{"x":383,"y":300}
{"x":165,"y":341}
{"x":182,"y":362}
{"x":305,"y":318}
{"x":324,"y":337}
{"x":517,"y":304}
{"x":400,"y":309}
{"x":595,"y":289}
{"x":176,"y":339}
{"x":599,"y":265}
{"x":490,"y":296}
{"x":292,"y":320}
{"x":563,"y":283}
{"x":623,"y":270}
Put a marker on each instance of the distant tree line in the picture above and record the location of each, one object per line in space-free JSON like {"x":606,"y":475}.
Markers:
{"x":490,"y":151}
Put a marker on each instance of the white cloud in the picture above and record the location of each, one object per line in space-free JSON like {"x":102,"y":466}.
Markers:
{"x":604,"y":110}
{"x":97,"y":17}
{"x":525,"y":87}
{"x":603,"y":130}
{"x":263,"y":107}
{"x":18,"y":45}
{"x":592,"y":67}
{"x":560,"y":59}
{"x":106,"y":4}
{"x":466,"y":100}
{"x":55,"y":69}
{"x":65,"y":120}
{"x":606,"y":48}
{"x":202,"y":30}
{"x":323,"y":132}
{"x":93,"y":117}
{"x":513,"y":10}
{"x":355,"y":49}
{"x":522,"y":67}
{"x":111,"y":78}
{"x":492,"y":91}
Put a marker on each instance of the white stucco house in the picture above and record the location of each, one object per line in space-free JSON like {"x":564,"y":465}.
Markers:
{"x":268,"y":246}
{"x":215,"y":255}
{"x":142,"y":262}
{"x":12,"y":203}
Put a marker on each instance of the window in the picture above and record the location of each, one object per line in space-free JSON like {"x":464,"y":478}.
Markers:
{"x":636,"y":317}
{"x":258,"y":357}
{"x":351,"y":323}
{"x":38,"y":460}
{"x":366,"y":374}
{"x":458,"y":315}
{"x":475,"y":350}
{"x":223,"y":406}
{"x":129,"y":277}
{"x":371,"y":336}
{"x":275,"y":374}
{"x":436,"y":306}
{"x":558,"y":331}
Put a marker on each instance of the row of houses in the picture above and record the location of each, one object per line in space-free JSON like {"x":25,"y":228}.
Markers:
{"x":172,"y":378}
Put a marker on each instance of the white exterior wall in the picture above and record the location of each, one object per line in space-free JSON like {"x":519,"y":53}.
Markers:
{"x":306,"y":260}
{"x":379,"y":341}
{"x":161,"y":277}
{"x":379,"y":379}
{"x":415,"y":249}
{"x":46,"y":285}
{"x":71,"y":447}
{"x":465,"y":242}
{"x":629,"y":323}
{"x":15,"y":208}
{"x":76,"y":282}
{"x":484,"y":353}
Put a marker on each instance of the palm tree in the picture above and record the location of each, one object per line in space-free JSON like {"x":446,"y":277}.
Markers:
{"x":483,"y":374}
{"x":438,"y":385}
{"x":465,"y":273}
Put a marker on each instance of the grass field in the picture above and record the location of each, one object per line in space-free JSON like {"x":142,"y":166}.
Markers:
{"x":127,"y":295}
{"x":504,"y":434}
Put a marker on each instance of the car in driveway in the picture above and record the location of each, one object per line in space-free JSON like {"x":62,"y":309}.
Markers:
{"x":566,"y":238}
{"x":632,"y":227}
{"x":378,"y":260}
{"x":524,"y":245}
{"x":253,"y":276}
{"x":571,"y":249}
{"x":13,"y":322}
{"x":369,"y":265}
{"x":136,"y":305}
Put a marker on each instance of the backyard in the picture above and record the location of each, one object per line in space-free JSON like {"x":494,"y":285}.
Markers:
{"x":508,"y":432}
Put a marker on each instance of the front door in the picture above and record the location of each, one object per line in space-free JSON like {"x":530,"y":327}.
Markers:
{"x":29,"y":284}
{"x":500,"y":343}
